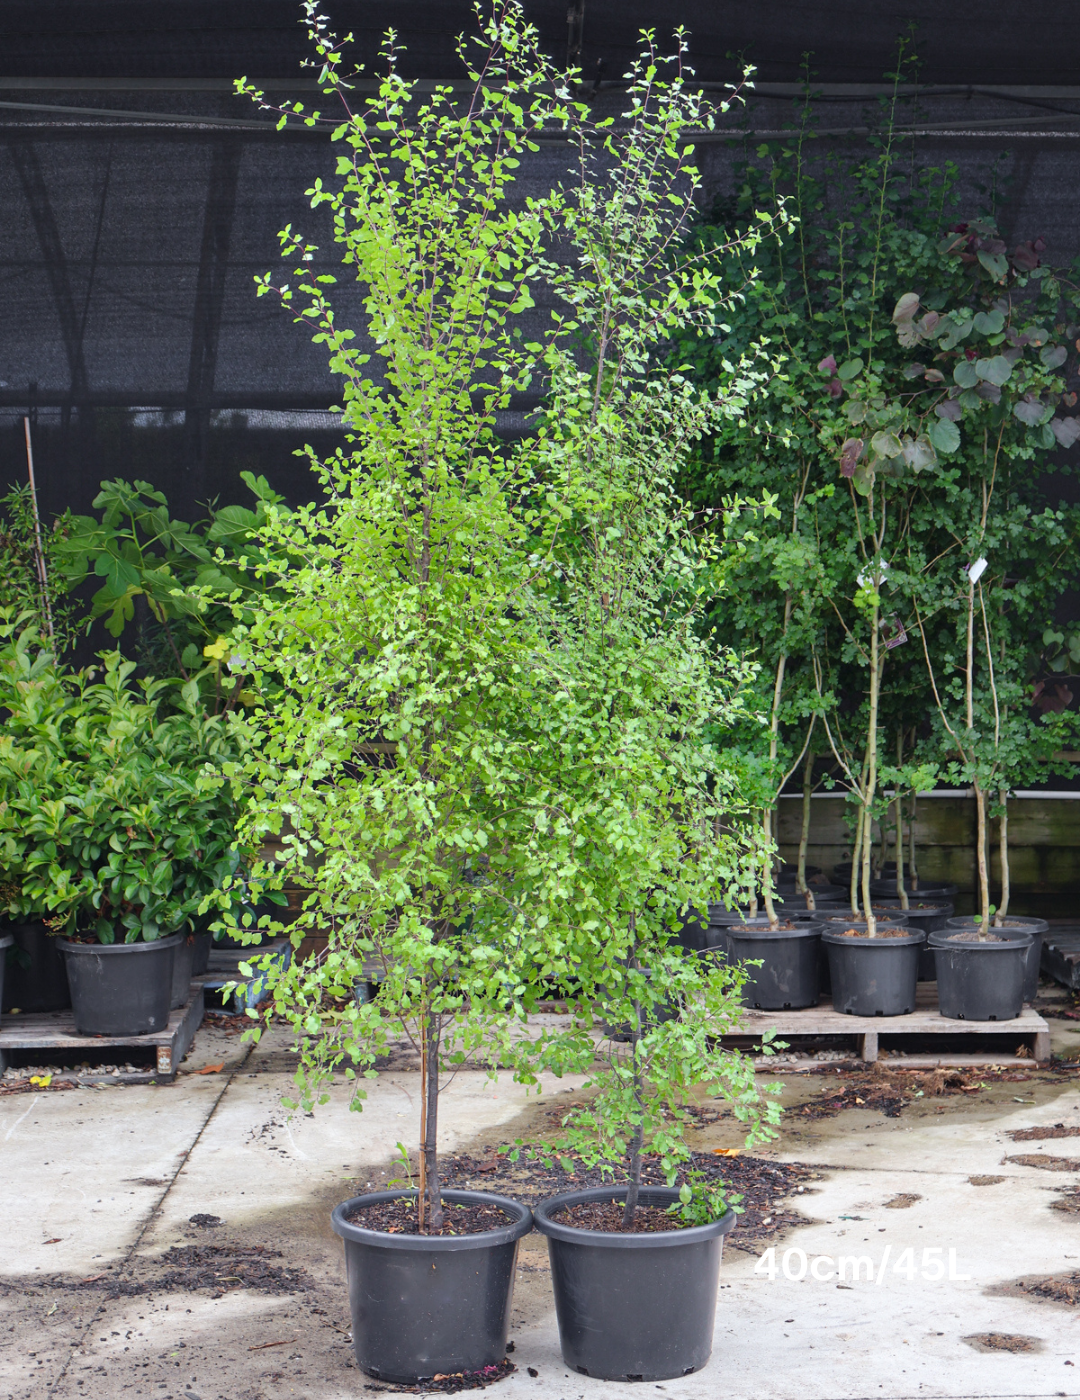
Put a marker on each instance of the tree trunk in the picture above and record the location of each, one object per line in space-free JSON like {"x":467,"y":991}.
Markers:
{"x":638,"y":1138}
{"x":911,"y":842}
{"x":1003,"y":907}
{"x":856,"y":855}
{"x":980,"y":846}
{"x":430,"y":1047}
{"x":901,"y":889}
{"x":871,"y":769}
{"x":767,"y":876}
{"x":804,"y":831}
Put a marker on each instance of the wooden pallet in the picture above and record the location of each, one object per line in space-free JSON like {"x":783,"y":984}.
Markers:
{"x":1061,"y":955}
{"x":926,"y":1020}
{"x":53,"y":1032}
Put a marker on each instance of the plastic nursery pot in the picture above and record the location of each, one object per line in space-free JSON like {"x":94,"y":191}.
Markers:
{"x":1014,"y":924}
{"x":928,"y":916}
{"x":886,"y":889}
{"x":789,"y":975}
{"x":6,"y":941}
{"x":633,"y":1307}
{"x":693,"y":933}
{"x":183,"y":971}
{"x":121,"y":988}
{"x":873,"y":976}
{"x":428,"y":1305}
{"x":36,"y":976}
{"x":980,"y":981}
{"x":200,"y":961}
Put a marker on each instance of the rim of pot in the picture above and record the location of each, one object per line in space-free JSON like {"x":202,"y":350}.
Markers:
{"x":762,"y":932}
{"x":946,"y":938}
{"x":943,"y":891}
{"x":931,"y":906}
{"x":1018,"y":921}
{"x":850,"y":920}
{"x":171,"y":940}
{"x":896,"y":935}
{"x":485,"y":1239}
{"x":546,"y":1211}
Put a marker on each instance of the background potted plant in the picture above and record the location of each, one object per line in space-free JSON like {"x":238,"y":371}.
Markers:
{"x":489,"y":763}
{"x":106,"y":820}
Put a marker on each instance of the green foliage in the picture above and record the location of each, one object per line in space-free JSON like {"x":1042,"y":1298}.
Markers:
{"x":21,"y":590}
{"x":917,"y":390}
{"x":490,"y":764}
{"x":111,"y":827}
{"x":190,"y":577}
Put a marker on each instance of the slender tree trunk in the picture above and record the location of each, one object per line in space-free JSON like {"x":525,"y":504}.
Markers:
{"x":901,"y":888}
{"x":911,"y":842}
{"x":980,"y":846}
{"x":804,"y":831}
{"x":1003,"y":907}
{"x":421,"y":1190}
{"x":871,"y":768}
{"x":431,"y":1124}
{"x":634,"y":1189}
{"x":856,"y":857}
{"x":767,"y":877}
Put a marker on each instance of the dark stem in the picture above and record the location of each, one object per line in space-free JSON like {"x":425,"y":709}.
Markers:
{"x":431,"y":1127}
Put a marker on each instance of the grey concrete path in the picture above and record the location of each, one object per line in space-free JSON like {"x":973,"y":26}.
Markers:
{"x":102,"y":1184}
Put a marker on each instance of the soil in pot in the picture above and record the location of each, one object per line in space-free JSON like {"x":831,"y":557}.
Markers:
{"x":980,"y":979}
{"x":427,"y":1305}
{"x":789,"y":975}
{"x":120,"y":988}
{"x":1026,"y":931}
{"x":36,"y":977}
{"x":635,"y":1306}
{"x":873,"y":976}
{"x":399,"y":1217}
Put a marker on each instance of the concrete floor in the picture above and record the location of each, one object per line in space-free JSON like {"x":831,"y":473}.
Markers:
{"x":97,"y":1180}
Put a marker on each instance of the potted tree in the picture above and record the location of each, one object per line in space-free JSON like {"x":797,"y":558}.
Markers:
{"x":105,"y":823}
{"x":488,"y":763}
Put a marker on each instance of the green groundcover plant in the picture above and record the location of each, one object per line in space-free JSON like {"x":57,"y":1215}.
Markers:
{"x":113,"y":825}
{"x":489,"y":764}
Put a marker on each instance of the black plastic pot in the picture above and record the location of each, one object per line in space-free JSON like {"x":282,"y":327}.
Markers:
{"x":980,"y":981}
{"x":121,"y":988}
{"x":1014,"y":923}
{"x":6,"y":941}
{"x":200,"y":963}
{"x":873,"y":976}
{"x":930,"y":918}
{"x":789,"y":975}
{"x":886,"y":889}
{"x":36,"y":977}
{"x":183,"y":971}
{"x":693,"y":933}
{"x":427,"y":1305}
{"x":633,"y":1307}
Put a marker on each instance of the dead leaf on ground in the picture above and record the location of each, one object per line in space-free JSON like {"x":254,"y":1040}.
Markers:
{"x":210,"y":1069}
{"x":1046,"y":1162}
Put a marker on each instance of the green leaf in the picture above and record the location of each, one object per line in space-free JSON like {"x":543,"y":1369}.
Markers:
{"x":996,"y":264}
{"x":989,"y":322}
{"x":944,"y":435}
{"x":966,"y":375}
{"x":995,"y":371}
{"x":849,"y":369}
{"x":118,"y":574}
{"x":1053,"y":356}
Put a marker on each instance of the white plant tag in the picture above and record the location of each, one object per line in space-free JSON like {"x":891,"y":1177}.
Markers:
{"x":975,"y":571}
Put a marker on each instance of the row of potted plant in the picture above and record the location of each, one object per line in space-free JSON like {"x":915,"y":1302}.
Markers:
{"x":115,"y":827}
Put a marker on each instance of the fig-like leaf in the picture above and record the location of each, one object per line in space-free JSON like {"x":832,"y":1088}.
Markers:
{"x":1030,"y":411}
{"x":1053,"y":356}
{"x":849,"y":369}
{"x":950,"y":410}
{"x":906,"y":307}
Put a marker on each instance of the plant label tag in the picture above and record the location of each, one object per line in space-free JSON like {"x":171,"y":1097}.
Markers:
{"x":975,"y":571}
